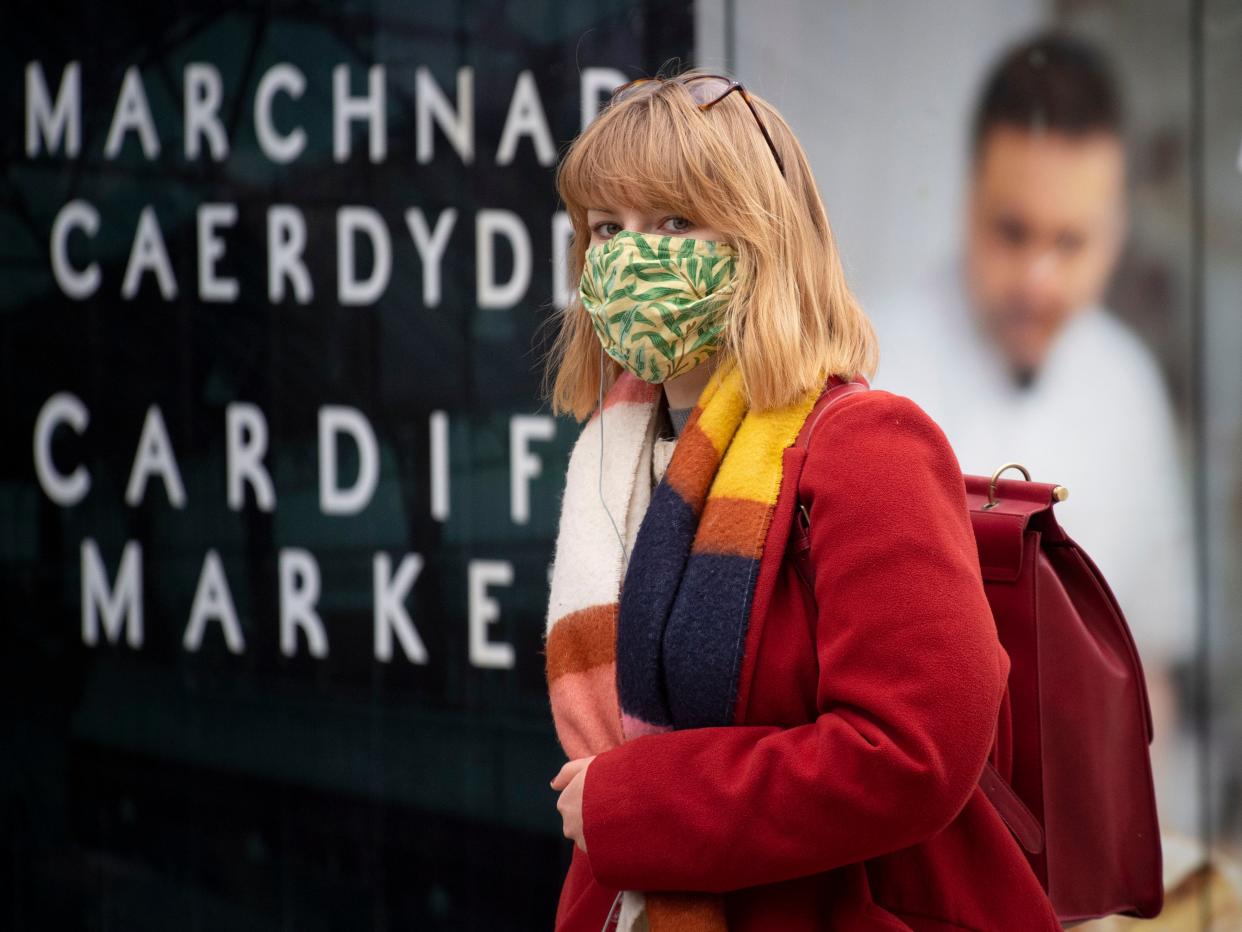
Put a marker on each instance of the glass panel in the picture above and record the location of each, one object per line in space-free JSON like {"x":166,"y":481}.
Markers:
{"x":279,"y":493}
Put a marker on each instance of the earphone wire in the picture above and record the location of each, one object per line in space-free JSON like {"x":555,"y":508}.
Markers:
{"x":625,"y":557}
{"x":611,"y":911}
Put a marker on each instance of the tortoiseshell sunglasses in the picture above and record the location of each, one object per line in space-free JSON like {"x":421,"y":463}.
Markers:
{"x":707,"y":90}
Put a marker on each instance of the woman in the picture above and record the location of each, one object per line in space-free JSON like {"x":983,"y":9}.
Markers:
{"x":746,"y":753}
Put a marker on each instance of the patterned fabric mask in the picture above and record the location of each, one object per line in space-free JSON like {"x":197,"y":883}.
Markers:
{"x":657,"y":302}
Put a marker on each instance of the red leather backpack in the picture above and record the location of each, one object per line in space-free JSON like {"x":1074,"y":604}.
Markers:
{"x":1075,"y":786}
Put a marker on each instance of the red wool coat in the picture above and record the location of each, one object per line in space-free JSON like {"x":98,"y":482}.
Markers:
{"x":844,"y":795}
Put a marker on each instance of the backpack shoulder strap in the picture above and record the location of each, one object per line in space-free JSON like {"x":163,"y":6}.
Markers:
{"x":835,"y":389}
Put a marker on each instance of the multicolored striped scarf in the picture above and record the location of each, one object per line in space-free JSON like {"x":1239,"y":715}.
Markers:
{"x":655,"y":642}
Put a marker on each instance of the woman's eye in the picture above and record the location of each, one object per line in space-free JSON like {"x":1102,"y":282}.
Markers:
{"x":605,"y":230}
{"x":679,"y":224}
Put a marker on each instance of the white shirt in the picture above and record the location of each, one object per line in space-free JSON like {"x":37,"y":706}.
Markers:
{"x":1097,"y":419}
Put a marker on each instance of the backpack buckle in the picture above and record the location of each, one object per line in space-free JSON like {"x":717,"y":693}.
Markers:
{"x":1059,"y":493}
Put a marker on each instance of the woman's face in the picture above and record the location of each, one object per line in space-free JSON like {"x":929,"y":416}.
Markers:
{"x":606,"y":221}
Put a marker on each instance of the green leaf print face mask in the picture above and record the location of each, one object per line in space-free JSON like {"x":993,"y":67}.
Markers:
{"x":657,"y":302}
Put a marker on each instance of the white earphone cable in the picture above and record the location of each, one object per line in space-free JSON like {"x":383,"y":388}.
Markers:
{"x":611,"y":910}
{"x":624,"y":554}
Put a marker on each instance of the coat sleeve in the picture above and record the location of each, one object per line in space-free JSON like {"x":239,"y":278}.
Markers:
{"x":911,"y":680}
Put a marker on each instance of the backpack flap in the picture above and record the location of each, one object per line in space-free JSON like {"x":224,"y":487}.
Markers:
{"x":1000,"y":531}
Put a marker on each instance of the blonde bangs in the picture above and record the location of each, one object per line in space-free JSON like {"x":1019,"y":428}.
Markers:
{"x":793,"y":320}
{"x":634,"y":155}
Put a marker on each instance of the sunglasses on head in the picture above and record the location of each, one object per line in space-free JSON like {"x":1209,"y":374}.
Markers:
{"x":707,"y":90}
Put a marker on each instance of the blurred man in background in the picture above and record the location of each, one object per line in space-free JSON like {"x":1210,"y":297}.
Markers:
{"x":1012,"y":352}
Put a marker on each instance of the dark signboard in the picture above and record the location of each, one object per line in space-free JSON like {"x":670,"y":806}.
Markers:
{"x":277,"y":490}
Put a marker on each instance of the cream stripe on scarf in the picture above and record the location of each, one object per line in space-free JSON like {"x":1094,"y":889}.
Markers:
{"x":588,"y":564}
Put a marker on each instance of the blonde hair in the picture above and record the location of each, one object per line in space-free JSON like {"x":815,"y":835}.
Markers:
{"x":793,"y":319}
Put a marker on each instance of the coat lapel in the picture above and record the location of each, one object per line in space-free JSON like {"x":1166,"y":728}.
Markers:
{"x":774,"y":550}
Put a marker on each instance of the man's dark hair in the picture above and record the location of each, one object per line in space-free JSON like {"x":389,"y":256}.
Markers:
{"x":1051,"y":82}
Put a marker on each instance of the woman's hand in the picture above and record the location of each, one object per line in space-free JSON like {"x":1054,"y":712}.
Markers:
{"x":569,"y":780}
